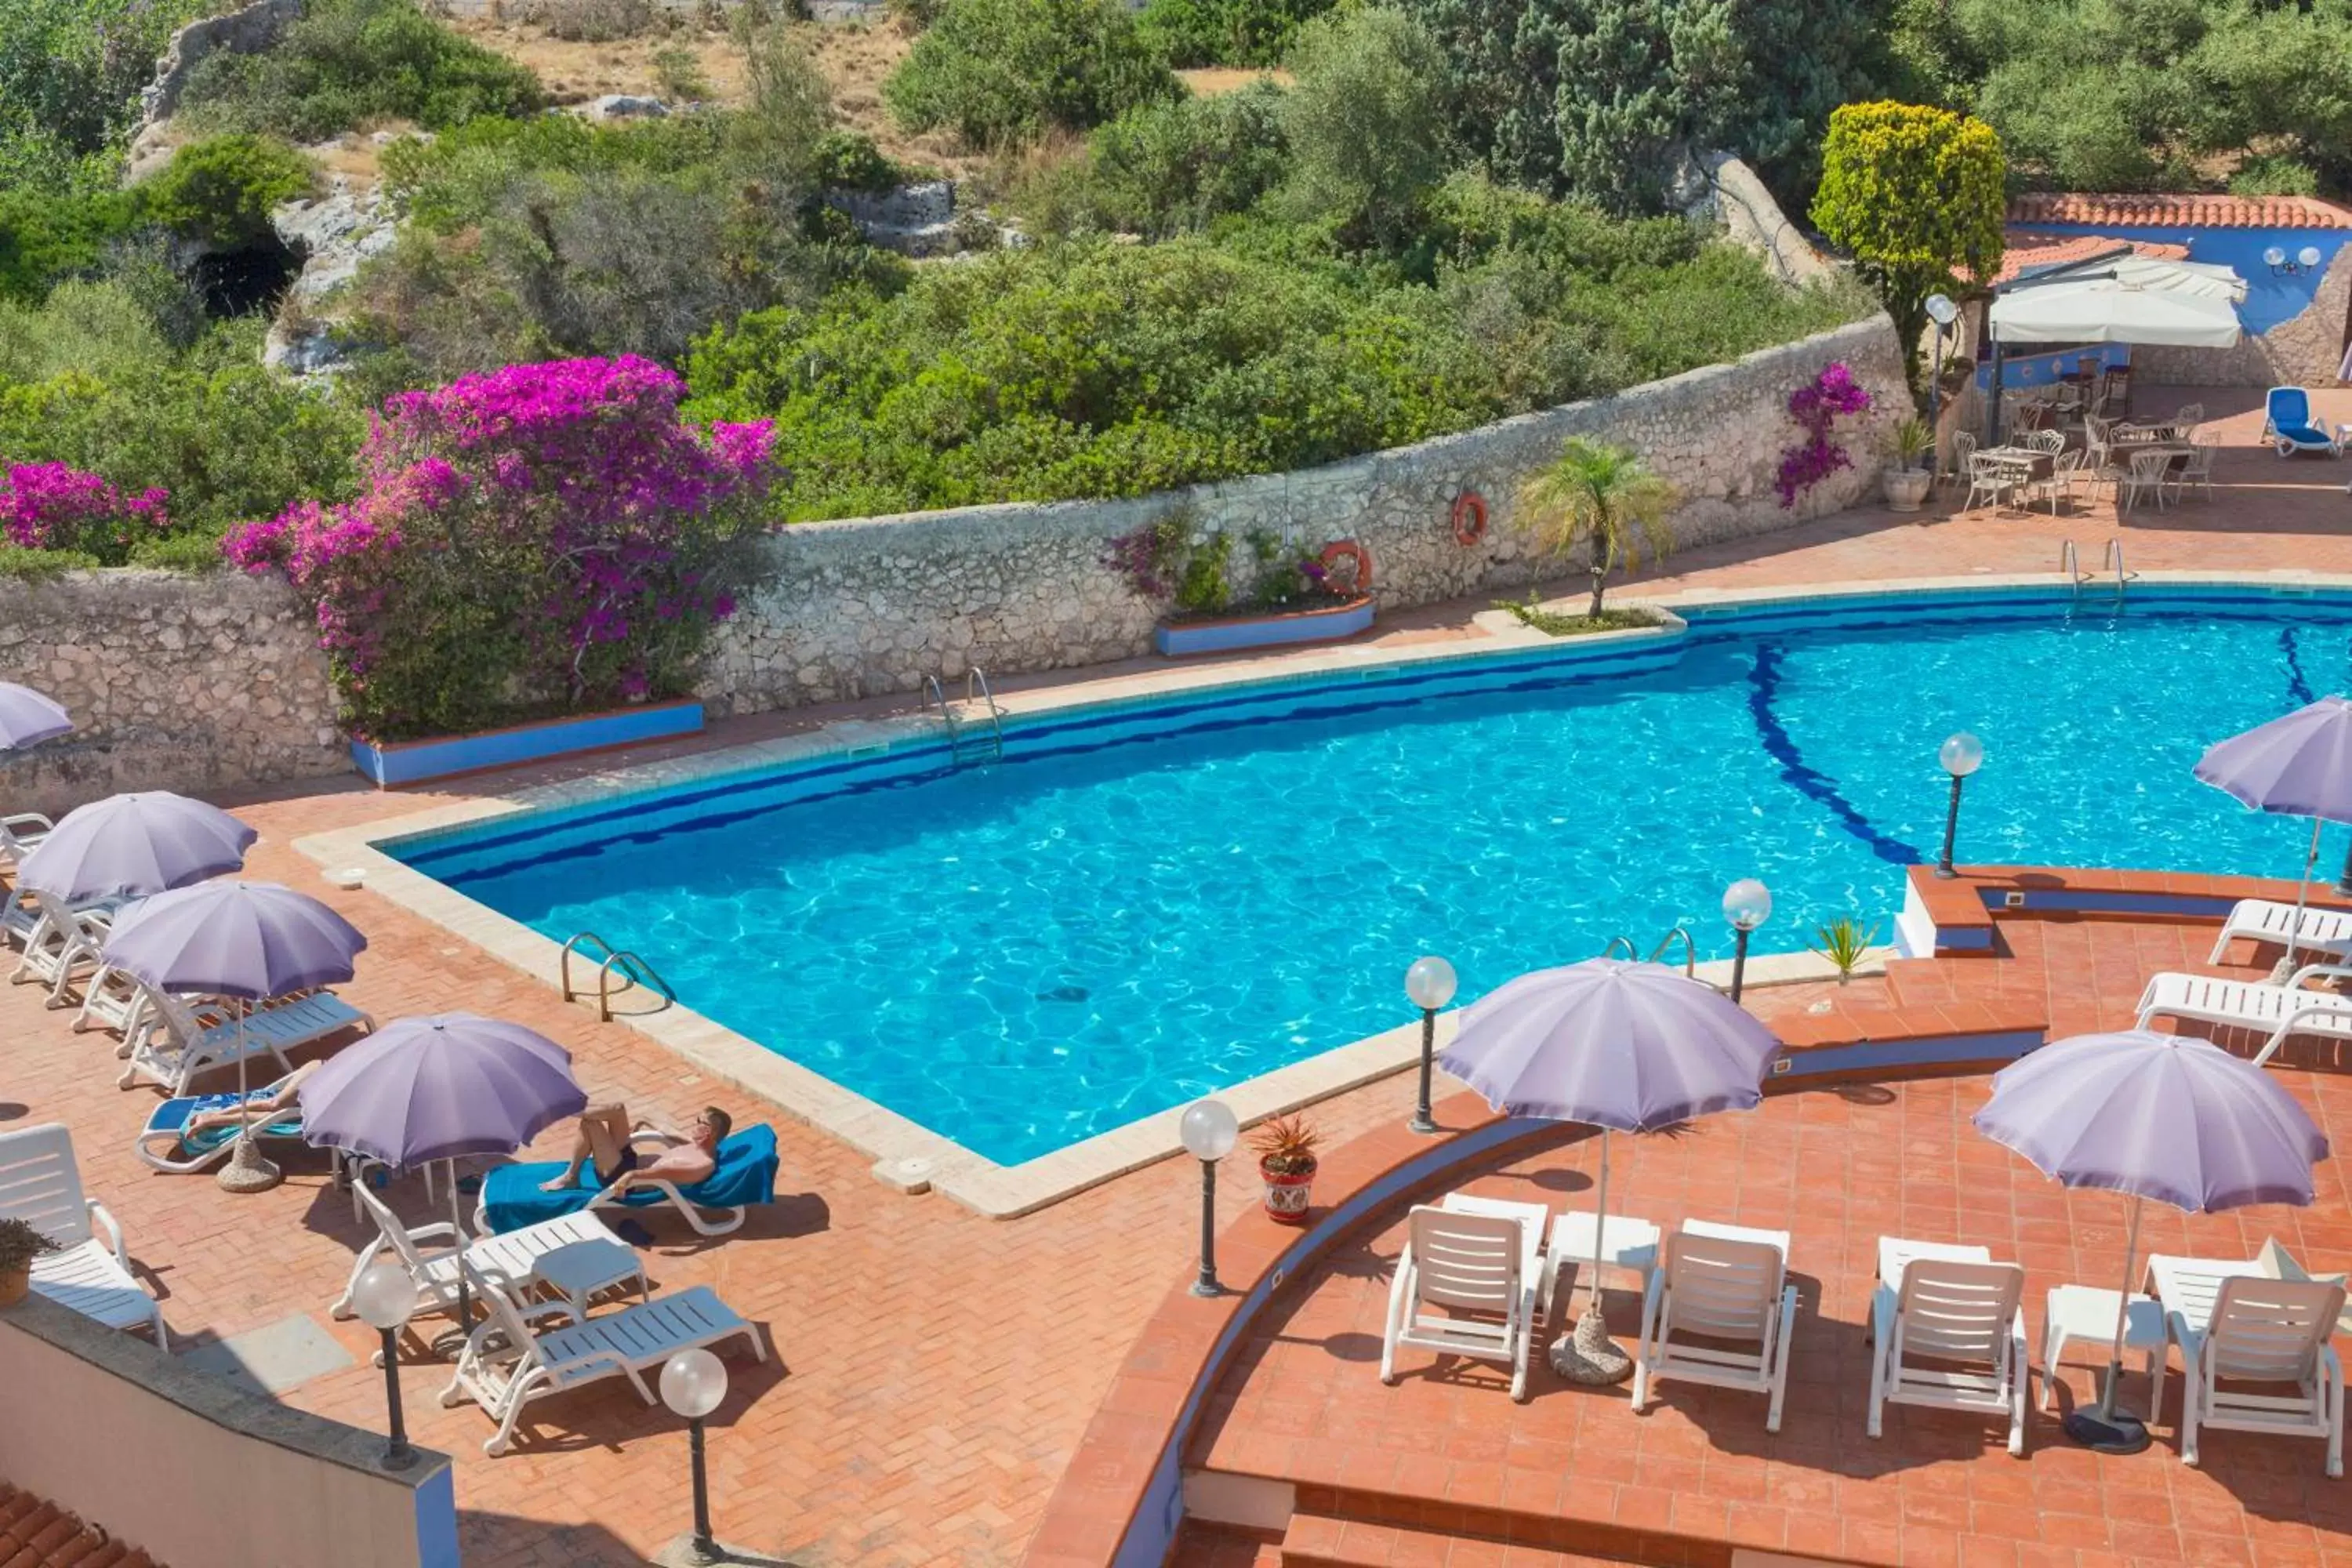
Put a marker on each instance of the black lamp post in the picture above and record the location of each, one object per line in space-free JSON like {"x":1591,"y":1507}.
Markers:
{"x":1430,"y":984}
{"x":1746,"y":904}
{"x":1208,"y":1130}
{"x":693,"y":1384}
{"x":1961,"y":756}
{"x":384,"y":1297}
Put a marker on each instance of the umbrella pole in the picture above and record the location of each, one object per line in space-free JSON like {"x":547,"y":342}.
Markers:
{"x":2104,"y":1428}
{"x":1587,"y":1354}
{"x":2301,"y":896}
{"x":457,"y":1239}
{"x":247,"y":1170}
{"x":2123,"y":1314}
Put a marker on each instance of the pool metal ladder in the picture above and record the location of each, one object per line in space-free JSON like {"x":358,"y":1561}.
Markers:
{"x":968,"y":743}
{"x":634,"y":971}
{"x":1680,"y":933}
{"x":2071,"y":565}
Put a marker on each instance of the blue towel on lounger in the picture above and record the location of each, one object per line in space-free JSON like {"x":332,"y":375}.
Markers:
{"x":173,"y":1116}
{"x":512,"y":1198}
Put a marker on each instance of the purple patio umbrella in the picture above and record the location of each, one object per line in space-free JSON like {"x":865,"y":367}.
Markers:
{"x":252,"y":941}
{"x":131,"y":845}
{"x":434,"y":1087}
{"x":2300,"y":765}
{"x":1625,"y":1047}
{"x":27,"y":718}
{"x":2167,"y":1117}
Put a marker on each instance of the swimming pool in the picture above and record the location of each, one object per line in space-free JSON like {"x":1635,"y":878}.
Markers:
{"x":1145,"y":903}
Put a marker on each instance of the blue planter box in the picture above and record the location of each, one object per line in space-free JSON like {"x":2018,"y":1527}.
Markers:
{"x":1179,"y":639}
{"x":396,"y":763}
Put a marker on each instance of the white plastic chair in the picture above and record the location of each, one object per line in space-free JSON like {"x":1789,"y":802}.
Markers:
{"x":1478,"y":1264}
{"x":2271,"y":1333}
{"x":40,"y":1183}
{"x":1952,"y":1336}
{"x":2197,"y":473}
{"x":2144,"y":474}
{"x":507,"y":1362}
{"x":1989,"y":478}
{"x":1725,"y":1286}
{"x":429,"y":1253}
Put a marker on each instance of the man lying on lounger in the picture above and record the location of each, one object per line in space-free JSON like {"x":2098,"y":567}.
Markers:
{"x":603,"y":1142}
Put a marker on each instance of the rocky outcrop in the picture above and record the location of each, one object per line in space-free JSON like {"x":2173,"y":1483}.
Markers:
{"x":922,"y":220}
{"x":334,"y":233}
{"x":243,"y":32}
{"x":625,"y":106}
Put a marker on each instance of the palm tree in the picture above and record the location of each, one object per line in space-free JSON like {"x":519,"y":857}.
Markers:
{"x":1603,"y":498}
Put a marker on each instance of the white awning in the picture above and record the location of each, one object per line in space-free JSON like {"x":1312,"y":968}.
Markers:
{"x":2130,"y":299}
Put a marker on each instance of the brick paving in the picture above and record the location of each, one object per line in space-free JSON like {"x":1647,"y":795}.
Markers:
{"x":1838,"y":1168}
{"x":936,"y":1370}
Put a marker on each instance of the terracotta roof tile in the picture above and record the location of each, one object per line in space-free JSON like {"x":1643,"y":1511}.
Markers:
{"x":2028,"y":250}
{"x":2179,"y":211}
{"x":37,"y":1533}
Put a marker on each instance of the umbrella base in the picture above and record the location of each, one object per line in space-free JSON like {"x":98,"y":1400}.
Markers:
{"x":1589,"y":1356}
{"x":247,"y":1172}
{"x":2117,"y":1434}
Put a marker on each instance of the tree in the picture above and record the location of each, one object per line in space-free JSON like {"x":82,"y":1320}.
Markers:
{"x":1365,"y":121}
{"x":1913,"y":193}
{"x":1605,"y":98}
{"x":1602,"y":498}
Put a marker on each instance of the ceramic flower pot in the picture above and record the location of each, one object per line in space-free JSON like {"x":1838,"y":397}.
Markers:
{"x":13,"y":1283}
{"x":1906,"y":488}
{"x":1287,"y":1193}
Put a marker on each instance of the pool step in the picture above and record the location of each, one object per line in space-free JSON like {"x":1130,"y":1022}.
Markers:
{"x":1333,"y":1540}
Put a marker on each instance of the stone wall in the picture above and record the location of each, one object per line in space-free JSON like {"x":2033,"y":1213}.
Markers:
{"x":2305,"y":350}
{"x":874,"y":605}
{"x":179,"y":682}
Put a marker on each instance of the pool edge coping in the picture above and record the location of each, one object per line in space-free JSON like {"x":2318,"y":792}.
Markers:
{"x":913,"y":1157}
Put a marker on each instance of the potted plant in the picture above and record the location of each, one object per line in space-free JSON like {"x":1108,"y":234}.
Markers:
{"x":19,"y":1245}
{"x":1907,"y":479}
{"x":1286,"y":1147}
{"x":1215,"y":603}
{"x":1845,"y":942}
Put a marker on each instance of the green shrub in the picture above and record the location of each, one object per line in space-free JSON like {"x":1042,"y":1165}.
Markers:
{"x":70,"y":71}
{"x":1001,"y":71}
{"x":1088,"y":368}
{"x":349,"y":62}
{"x":219,"y":192}
{"x":88,"y":380}
{"x":2274,"y":176}
{"x":850,"y":160}
{"x":1167,"y":168}
{"x":1226,"y":32}
{"x":46,"y":235}
{"x":679,"y":72}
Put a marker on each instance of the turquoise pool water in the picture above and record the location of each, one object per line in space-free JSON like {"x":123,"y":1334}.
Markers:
{"x":1137,"y":908}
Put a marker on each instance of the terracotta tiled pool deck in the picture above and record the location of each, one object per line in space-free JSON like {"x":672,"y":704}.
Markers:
{"x":936,"y":1370}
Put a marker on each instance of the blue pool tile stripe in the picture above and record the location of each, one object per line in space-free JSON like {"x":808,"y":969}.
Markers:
{"x":2298,"y":686}
{"x":1763,"y":685}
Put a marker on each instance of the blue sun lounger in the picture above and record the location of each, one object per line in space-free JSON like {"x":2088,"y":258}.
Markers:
{"x":167,"y":1145}
{"x":2287,"y":424}
{"x":511,"y":1197}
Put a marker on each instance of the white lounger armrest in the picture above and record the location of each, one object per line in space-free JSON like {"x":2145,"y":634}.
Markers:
{"x":2337,"y":971}
{"x":99,"y":1215}
{"x":16,"y":820}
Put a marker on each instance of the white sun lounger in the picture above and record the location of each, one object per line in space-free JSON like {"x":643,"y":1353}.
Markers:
{"x":175,"y":1039}
{"x":507,"y":1362}
{"x":40,"y":1183}
{"x":429,"y":1252}
{"x":1458,"y":1263}
{"x":65,"y":940}
{"x":2277,"y":1012}
{"x":1719,"y":1283}
{"x":21,"y":833}
{"x":2322,"y":932}
{"x":1949,"y":1333}
{"x":2236,"y":1325}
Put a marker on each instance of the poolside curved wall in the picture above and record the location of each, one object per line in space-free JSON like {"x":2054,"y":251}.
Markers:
{"x":873,"y":605}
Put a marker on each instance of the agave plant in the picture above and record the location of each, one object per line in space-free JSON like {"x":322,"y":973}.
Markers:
{"x":1285,"y":1146}
{"x":1845,"y":942}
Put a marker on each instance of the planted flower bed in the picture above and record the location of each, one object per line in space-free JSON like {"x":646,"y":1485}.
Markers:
{"x":1275,"y":598}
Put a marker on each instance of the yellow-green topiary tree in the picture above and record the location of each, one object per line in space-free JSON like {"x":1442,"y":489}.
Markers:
{"x":1915,"y":194}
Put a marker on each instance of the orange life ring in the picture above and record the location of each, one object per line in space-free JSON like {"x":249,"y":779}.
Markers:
{"x":1469,"y":518}
{"x":1348,"y":549}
